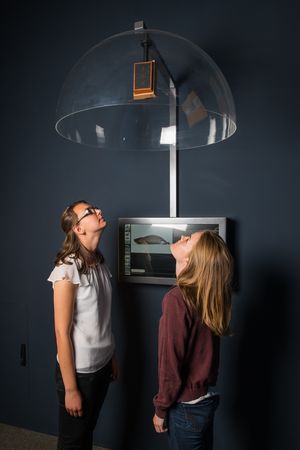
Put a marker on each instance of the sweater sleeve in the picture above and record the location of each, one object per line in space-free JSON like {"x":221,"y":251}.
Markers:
{"x":172,"y":340}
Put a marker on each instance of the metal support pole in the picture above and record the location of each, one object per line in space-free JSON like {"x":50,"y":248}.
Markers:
{"x":140,"y":25}
{"x":173,"y":151}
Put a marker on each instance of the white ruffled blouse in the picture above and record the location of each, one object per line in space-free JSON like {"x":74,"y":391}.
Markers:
{"x":91,"y":333}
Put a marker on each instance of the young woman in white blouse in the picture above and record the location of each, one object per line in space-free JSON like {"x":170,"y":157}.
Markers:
{"x":82,"y":317}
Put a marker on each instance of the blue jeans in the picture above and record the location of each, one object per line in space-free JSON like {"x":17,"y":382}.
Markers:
{"x":190,"y":427}
{"x":77,"y":432}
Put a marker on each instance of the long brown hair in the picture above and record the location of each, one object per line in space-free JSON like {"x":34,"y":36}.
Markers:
{"x":72,"y":247}
{"x":205,"y":282}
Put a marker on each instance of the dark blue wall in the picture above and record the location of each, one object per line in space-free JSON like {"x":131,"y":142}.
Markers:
{"x":253,"y":179}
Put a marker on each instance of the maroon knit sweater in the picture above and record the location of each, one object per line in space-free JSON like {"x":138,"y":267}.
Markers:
{"x":188,"y":354}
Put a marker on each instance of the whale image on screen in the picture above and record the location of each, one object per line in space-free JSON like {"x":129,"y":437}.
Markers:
{"x":151,"y":239}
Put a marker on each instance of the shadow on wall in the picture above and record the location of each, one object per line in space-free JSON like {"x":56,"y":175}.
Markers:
{"x":133,"y":369}
{"x":232,"y":234}
{"x":262,"y":342}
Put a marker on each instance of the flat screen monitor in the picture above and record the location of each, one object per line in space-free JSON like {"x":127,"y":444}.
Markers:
{"x":144,"y":245}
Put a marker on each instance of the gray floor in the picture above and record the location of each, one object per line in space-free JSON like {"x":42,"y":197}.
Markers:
{"x":12,"y":438}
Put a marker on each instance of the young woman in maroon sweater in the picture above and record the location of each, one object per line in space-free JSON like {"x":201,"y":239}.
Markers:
{"x":195,"y":314}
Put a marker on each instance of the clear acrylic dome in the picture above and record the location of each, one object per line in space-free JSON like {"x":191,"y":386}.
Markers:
{"x":97,"y":108}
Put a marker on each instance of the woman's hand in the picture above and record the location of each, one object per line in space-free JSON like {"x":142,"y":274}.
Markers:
{"x":159,"y":424}
{"x":73,"y":402}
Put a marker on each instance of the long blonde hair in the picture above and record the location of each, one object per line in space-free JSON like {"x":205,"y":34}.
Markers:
{"x":205,"y":282}
{"x":72,"y":247}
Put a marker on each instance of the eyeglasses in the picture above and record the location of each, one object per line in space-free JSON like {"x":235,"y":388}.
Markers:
{"x":90,"y":210}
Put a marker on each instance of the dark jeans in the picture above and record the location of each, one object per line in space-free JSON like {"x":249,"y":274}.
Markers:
{"x":76,"y":433}
{"x":190,"y":427}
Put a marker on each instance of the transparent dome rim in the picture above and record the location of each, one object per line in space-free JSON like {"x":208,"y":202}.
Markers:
{"x":160,"y":149}
{"x":233,"y":128}
{"x":61,"y":119}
